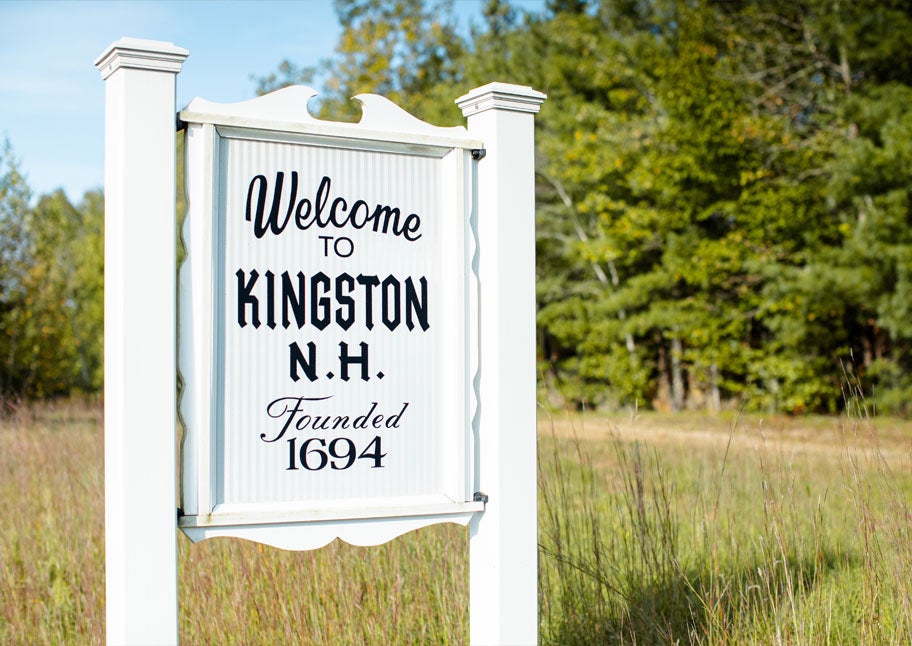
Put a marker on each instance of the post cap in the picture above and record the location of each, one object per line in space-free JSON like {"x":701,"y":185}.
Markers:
{"x":501,"y":96}
{"x":139,"y":53}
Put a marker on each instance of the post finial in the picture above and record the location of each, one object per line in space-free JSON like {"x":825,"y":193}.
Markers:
{"x":501,"y":96}
{"x":139,"y":53}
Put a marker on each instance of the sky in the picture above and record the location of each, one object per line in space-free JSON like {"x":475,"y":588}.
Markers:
{"x":52,"y":96}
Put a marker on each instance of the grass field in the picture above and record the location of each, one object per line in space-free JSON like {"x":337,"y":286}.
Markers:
{"x":653,"y":529}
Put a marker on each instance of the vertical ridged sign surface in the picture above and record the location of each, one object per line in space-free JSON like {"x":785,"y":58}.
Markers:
{"x":332,"y":298}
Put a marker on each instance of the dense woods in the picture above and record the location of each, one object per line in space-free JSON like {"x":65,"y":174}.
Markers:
{"x":51,"y":289}
{"x":723,"y":196}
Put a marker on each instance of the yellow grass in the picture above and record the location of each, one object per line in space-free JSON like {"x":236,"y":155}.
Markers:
{"x":794,"y":529}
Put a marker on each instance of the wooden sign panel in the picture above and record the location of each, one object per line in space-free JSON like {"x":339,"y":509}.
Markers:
{"x":328,"y":332}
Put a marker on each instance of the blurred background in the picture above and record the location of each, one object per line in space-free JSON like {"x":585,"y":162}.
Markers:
{"x":723,"y":188}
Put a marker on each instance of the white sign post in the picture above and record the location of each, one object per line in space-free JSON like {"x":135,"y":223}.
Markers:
{"x":140,"y":409}
{"x":355,"y":339}
{"x":504,"y":539}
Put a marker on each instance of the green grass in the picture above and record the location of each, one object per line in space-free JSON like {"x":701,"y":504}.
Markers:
{"x":736,"y":537}
{"x":653,"y":529}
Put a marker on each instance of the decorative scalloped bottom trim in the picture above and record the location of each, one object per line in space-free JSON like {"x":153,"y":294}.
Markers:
{"x":314,"y":535}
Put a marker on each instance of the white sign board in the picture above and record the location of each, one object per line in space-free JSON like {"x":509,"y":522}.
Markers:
{"x":328,"y":326}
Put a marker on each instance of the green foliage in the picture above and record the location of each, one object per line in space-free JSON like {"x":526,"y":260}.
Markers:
{"x":14,"y":210}
{"x":404,"y":50}
{"x":52,"y":296}
{"x":723,"y":196}
{"x":698,"y":154}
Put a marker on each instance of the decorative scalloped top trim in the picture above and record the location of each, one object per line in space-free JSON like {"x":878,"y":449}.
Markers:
{"x":289,"y":106}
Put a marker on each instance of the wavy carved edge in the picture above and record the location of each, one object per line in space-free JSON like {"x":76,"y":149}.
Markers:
{"x":194,"y":317}
{"x":289,"y":106}
{"x":314,"y":535}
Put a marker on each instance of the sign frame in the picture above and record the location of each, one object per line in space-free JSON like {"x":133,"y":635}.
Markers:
{"x":279,"y":118}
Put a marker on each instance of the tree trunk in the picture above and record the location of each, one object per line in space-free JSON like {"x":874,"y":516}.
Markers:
{"x":715,"y":399}
{"x":677,"y":375}
{"x":600,"y":274}
{"x":663,"y":396}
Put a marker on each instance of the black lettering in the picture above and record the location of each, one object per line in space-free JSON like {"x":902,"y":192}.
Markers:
{"x":344,"y":300}
{"x":361,"y":420}
{"x":390,"y":306}
{"x":246,"y":298}
{"x":346,"y":360}
{"x":322,"y":198}
{"x":320,"y":314}
{"x":387,"y":212}
{"x":369,"y":282}
{"x":259,"y":229}
{"x":277,"y":200}
{"x":273,"y":410}
{"x":414,"y":305}
{"x":292,"y":300}
{"x":332,"y":299}
{"x":341,"y":204}
{"x":393,"y":420}
{"x":353,"y":214}
{"x":303,"y":220}
{"x":297,"y":360}
{"x":270,"y":299}
{"x":384,"y":218}
{"x":411,"y":226}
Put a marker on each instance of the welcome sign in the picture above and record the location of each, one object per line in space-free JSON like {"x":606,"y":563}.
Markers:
{"x":327,"y":338}
{"x":355,"y":335}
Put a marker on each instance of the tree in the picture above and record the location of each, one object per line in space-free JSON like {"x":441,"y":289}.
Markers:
{"x":56,"y":324}
{"x":14,"y":212}
{"x":51,"y":289}
{"x":404,"y":50}
{"x":723,"y":194}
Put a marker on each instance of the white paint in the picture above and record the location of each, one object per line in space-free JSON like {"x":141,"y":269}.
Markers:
{"x":316,"y":534}
{"x":234,"y":483}
{"x":503,"y":544}
{"x":488,"y":227}
{"x":285,"y":110}
{"x":140,"y":518}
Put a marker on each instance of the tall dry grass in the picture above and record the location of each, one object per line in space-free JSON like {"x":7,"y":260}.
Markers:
{"x":652,"y":530}
{"x":411,"y":590}
{"x":51,"y":524}
{"x":230,"y":592}
{"x":746,"y":538}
